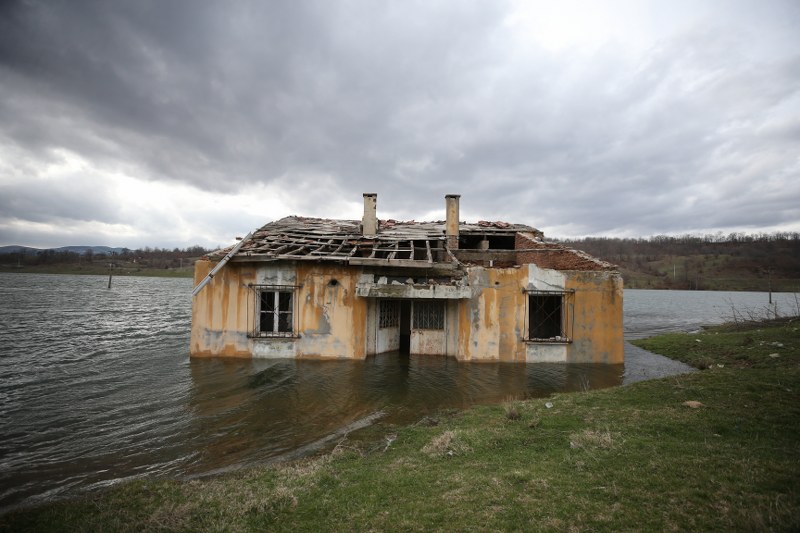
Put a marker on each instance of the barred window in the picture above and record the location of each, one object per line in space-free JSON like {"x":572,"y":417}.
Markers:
{"x":429,"y":314}
{"x":389,"y":314}
{"x":546,"y":317}
{"x":275,"y":314}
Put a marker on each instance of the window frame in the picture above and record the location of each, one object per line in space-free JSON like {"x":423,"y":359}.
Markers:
{"x":283,"y":315}
{"x":388,"y":314}
{"x":566,"y":317}
{"x":428,"y":315}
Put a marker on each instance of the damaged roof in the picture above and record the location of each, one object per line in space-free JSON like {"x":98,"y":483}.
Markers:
{"x":397,"y":243}
{"x":559,"y":257}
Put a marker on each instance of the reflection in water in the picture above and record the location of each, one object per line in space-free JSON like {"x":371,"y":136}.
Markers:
{"x":98,"y":387}
{"x":246,"y":411}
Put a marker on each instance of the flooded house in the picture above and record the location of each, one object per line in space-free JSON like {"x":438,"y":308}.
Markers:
{"x":487,"y":291}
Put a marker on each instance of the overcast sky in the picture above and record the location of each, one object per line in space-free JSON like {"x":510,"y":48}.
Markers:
{"x":173,"y":123}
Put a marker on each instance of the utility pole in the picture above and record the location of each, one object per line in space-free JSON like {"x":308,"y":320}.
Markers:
{"x":769,"y":284}
{"x":772,"y":306}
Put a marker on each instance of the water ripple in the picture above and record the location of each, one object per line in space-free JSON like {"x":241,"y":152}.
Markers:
{"x":98,"y":387}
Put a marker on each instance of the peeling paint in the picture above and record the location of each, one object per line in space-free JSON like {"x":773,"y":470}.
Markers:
{"x":336,"y":304}
{"x":546,"y":353}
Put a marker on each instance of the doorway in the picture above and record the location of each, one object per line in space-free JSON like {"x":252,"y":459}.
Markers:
{"x":405,"y":327}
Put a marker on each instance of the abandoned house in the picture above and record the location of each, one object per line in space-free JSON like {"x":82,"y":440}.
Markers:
{"x":490,"y":291}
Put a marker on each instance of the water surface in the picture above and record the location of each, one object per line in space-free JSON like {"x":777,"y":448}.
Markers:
{"x":649,"y":312}
{"x":98,"y":386}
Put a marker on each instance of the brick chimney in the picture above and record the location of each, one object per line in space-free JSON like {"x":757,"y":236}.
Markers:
{"x":369,"y":223}
{"x":451,"y":229}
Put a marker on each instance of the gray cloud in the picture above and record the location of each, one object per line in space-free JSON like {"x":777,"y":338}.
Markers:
{"x":695,"y":131}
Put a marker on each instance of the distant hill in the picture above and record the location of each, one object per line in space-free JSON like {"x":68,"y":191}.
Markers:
{"x":18,"y":249}
{"x":712,"y":262}
{"x":95,"y":249}
{"x":101,"y":260}
{"x":27,"y":250}
{"x":735,"y":262}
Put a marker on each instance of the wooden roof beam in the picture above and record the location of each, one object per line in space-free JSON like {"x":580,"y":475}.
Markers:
{"x":394,"y":252}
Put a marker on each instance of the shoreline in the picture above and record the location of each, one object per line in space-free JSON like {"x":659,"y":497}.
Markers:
{"x":104,"y":271}
{"x":644,"y":365}
{"x":188,"y":272}
{"x":619,"y":458}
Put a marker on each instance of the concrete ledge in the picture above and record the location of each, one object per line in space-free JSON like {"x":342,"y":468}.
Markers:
{"x":407,"y":291}
{"x":546,"y":353}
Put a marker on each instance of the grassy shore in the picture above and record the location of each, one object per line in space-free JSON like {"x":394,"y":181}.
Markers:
{"x":713,"y":450}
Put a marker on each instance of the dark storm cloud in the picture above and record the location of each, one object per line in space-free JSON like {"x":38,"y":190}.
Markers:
{"x":200,"y":93}
{"x":53,"y":201}
{"x":409,"y":99}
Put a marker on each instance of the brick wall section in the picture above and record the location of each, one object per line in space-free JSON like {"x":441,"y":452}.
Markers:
{"x":554,"y":256}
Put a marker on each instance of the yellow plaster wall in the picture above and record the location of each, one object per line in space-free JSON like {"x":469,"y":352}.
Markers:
{"x":219,"y":312}
{"x":508,"y":285}
{"x":491,"y":324}
{"x":597,"y":335}
{"x":332,"y":320}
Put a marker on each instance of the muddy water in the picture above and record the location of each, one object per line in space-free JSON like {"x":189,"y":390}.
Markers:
{"x":97,"y":387}
{"x":274,"y":408}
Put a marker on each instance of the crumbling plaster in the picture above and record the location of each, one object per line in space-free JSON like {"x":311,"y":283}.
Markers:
{"x":337,"y":314}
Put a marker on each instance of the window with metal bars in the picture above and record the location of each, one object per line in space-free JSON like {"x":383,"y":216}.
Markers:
{"x":275,"y":314}
{"x":389,"y":314}
{"x":429,"y":314}
{"x":546,"y":317}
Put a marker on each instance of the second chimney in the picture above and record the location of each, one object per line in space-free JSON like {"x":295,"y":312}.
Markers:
{"x":369,"y":223}
{"x":451,"y":228}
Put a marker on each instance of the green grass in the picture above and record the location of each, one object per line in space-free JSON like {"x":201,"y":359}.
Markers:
{"x":635,"y":458}
{"x":763,"y":345}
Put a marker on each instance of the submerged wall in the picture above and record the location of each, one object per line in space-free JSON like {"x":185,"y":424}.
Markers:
{"x":334,"y":319}
{"x":330,"y":317}
{"x":493,"y":324}
{"x":220,"y":321}
{"x":597,"y":318}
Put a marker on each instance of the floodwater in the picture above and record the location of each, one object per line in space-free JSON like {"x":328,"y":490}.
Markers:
{"x":97,"y":385}
{"x":650,"y":312}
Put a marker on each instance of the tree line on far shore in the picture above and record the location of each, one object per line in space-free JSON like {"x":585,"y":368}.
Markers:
{"x":736,"y":261}
{"x":147,"y":257}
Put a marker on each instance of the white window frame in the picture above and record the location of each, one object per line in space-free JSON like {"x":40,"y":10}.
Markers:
{"x":279,"y":321}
